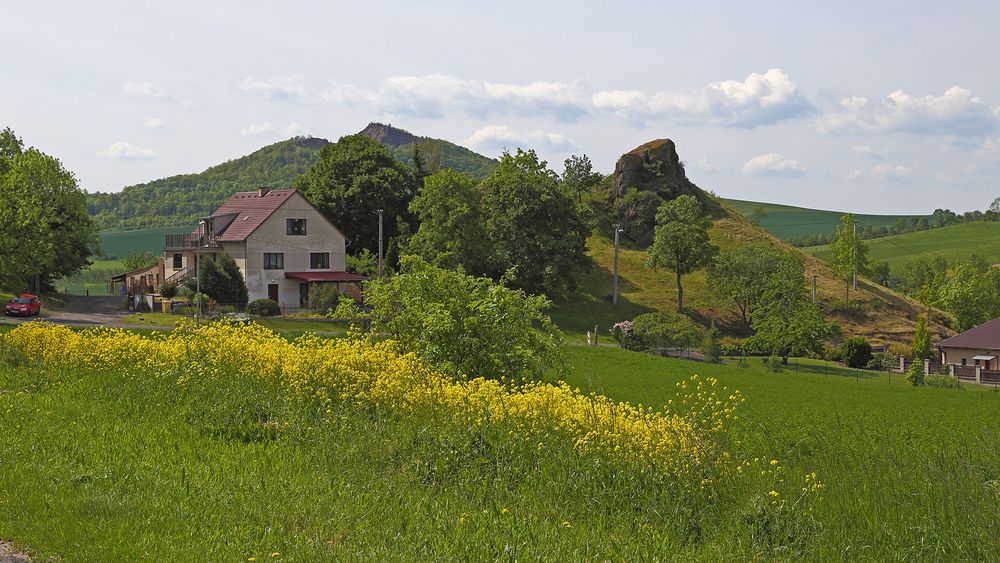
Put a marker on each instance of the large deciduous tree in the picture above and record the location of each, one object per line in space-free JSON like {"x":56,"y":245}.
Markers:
{"x":681,"y":243}
{"x":970,"y":294}
{"x":45,"y":232}
{"x":533,"y":225}
{"x":787,"y":322}
{"x":743,"y":273}
{"x":579,"y":176}
{"x":353,"y":178}
{"x":850,"y":253}
{"x":451,"y":233}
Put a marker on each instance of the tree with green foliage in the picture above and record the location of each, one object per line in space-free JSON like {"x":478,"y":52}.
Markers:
{"x":921,"y":341}
{"x":743,"y":273}
{"x":786,"y":322}
{"x":364,"y":263}
{"x":452,"y":233}
{"x":463,"y":325}
{"x":970,"y":294}
{"x":681,"y":243}
{"x":353,"y":178}
{"x":579,"y":177}
{"x":533,"y":226}
{"x":221,"y":281}
{"x":880,"y":273}
{"x":856,"y":352}
{"x":139,"y":260}
{"x":850,"y":253}
{"x":45,"y":232}
{"x":915,"y":374}
{"x":712,"y":348}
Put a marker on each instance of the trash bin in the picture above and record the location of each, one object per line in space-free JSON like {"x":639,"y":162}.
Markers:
{"x":166,"y":305}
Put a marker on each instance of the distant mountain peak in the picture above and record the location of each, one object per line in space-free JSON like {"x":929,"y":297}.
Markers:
{"x":389,"y":135}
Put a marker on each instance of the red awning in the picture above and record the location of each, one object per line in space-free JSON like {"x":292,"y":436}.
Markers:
{"x":325,"y":276}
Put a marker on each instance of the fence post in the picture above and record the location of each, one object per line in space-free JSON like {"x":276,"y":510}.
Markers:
{"x":902,"y":363}
{"x":927,"y":367}
{"x":951,"y":370}
{"x":979,"y":374}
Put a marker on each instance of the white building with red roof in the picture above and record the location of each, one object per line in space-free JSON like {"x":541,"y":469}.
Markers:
{"x":281,"y":243}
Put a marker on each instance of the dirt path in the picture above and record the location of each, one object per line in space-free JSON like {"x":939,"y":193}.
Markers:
{"x":10,"y":555}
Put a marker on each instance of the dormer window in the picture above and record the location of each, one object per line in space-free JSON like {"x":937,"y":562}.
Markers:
{"x":296,"y":227}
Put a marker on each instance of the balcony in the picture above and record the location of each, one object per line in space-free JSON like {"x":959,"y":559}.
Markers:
{"x":189,"y":241}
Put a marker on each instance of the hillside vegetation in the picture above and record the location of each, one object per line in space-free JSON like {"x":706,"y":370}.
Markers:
{"x":952,"y":242}
{"x":182,"y":199}
{"x":435,"y":153}
{"x":881,"y":315}
{"x":789,"y":222}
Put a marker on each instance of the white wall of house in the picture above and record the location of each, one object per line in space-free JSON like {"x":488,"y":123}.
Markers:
{"x":951,"y":355}
{"x":272,"y":237}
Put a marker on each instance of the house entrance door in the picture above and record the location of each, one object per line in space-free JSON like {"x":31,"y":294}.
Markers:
{"x":303,"y":295}
{"x":272,"y":292}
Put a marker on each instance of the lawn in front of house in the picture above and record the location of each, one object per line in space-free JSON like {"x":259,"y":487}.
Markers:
{"x":278,"y":324}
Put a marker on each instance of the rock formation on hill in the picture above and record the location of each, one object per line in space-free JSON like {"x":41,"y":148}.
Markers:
{"x":644,"y":178}
{"x":389,"y":135}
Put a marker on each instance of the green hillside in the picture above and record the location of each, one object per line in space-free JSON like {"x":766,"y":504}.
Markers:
{"x":787,"y":222}
{"x":118,"y":244}
{"x":181,"y":199}
{"x":953,"y":242}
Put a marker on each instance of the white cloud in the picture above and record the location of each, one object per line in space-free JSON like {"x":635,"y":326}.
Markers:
{"x":773,"y":164}
{"x":707,"y":166}
{"x":127,"y":151}
{"x":154,"y":123}
{"x":293,"y":129}
{"x":499,"y":137}
{"x":891,"y":172}
{"x":435,"y":95}
{"x":143,"y":90}
{"x":760,"y":99}
{"x":855,"y":174}
{"x":955,"y":112}
{"x":264,"y":127}
{"x":267,"y":128}
{"x":293,"y":87}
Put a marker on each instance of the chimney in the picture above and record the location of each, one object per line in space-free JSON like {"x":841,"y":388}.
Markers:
{"x":263,"y":190}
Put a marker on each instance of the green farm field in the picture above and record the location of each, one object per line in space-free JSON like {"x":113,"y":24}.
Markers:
{"x":98,"y":466}
{"x":787,"y":222}
{"x":952,"y":242}
{"x":120,"y":243}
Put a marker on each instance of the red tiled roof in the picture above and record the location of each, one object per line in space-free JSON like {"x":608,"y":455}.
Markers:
{"x":251,"y":209}
{"x":985,"y":336}
{"x":325,"y":276}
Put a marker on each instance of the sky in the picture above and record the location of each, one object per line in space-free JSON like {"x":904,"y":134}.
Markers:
{"x":871,"y":107}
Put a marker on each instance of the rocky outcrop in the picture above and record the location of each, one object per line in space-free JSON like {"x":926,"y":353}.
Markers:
{"x":644,"y":178}
{"x":389,"y":135}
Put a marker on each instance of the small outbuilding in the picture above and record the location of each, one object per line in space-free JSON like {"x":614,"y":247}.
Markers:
{"x":978,"y":347}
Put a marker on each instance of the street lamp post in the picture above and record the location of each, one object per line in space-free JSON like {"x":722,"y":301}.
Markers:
{"x":379,"y":211}
{"x":614,"y":288}
{"x":197,"y":261}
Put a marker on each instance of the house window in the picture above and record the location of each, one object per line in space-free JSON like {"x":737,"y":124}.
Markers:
{"x":274,"y":261}
{"x":295,"y":226}
{"x":178,"y":261}
{"x":963,"y":361}
{"x":319,"y":260}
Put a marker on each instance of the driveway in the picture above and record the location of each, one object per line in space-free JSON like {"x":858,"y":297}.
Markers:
{"x":94,"y":310}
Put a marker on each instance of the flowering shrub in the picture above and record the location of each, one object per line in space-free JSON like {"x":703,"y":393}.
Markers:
{"x":679,"y":441}
{"x":623,"y":334}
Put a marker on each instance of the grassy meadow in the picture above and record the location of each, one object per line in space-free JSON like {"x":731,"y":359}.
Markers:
{"x":952,"y":242}
{"x":788,"y":222}
{"x":227,"y":464}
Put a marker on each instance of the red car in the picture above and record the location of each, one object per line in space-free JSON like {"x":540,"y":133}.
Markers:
{"x":24,"y":305}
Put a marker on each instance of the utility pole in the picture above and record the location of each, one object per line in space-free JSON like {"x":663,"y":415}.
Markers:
{"x":855,"y":255}
{"x":814,"y":288}
{"x":614,"y":288}
{"x":197,"y":261}
{"x":379,"y":211}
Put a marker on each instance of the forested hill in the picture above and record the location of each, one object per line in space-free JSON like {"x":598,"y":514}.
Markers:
{"x":182,"y":199}
{"x":436,"y":153}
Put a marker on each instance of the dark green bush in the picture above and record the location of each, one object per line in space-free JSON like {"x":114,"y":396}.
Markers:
{"x":943,"y":381}
{"x":915,"y":374}
{"x":857,"y":352}
{"x":657,"y":332}
{"x":264,"y":308}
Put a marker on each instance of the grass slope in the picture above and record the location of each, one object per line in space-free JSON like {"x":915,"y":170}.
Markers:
{"x":787,"y":221}
{"x":885,"y":316}
{"x":120,"y":243}
{"x":952,"y":242}
{"x":121,"y":468}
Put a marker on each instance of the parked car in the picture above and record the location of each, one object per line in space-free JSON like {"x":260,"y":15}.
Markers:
{"x":24,"y":305}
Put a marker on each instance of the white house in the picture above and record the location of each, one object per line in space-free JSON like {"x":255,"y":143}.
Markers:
{"x":281,"y":243}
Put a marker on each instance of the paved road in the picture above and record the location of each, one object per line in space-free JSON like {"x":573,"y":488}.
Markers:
{"x":94,"y":310}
